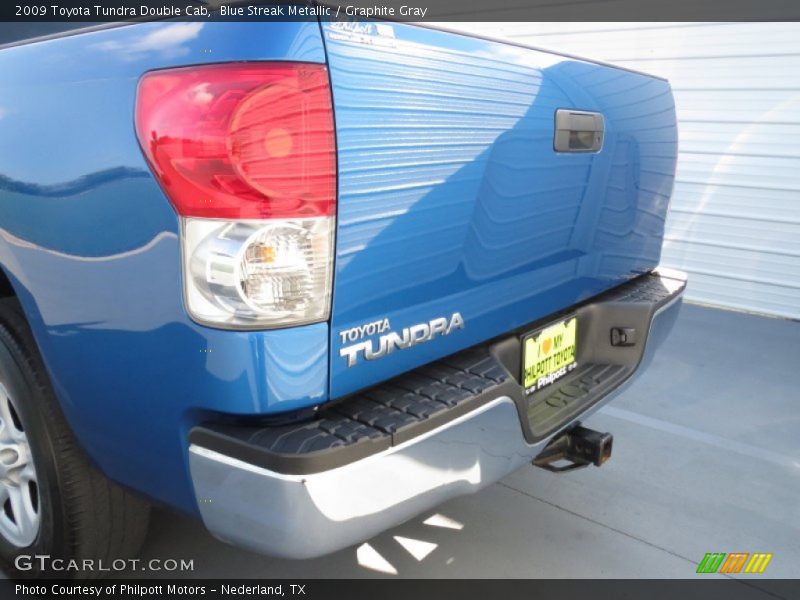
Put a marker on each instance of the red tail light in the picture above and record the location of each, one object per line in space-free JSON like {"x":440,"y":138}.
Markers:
{"x":241,"y":140}
{"x":246,"y":154}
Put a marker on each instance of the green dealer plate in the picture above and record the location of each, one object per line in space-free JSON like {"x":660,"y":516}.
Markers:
{"x":548,"y":354}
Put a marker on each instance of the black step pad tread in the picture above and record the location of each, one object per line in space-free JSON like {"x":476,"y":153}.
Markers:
{"x":374,"y":419}
{"x":348,"y":431}
{"x":445,"y":393}
{"x":312,"y":436}
{"x":384,"y":417}
{"x":648,"y":288}
{"x":409,"y":402}
{"x":481,"y":365}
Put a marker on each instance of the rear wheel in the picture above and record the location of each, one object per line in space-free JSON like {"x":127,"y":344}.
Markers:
{"x":52,"y":500}
{"x":19,"y":486}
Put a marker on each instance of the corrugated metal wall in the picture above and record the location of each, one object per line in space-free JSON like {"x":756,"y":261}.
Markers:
{"x":734,"y":222}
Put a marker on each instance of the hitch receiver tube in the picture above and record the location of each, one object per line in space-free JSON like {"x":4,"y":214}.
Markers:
{"x":578,"y":447}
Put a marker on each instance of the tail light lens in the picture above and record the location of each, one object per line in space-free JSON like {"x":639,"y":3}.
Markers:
{"x":246,"y":154}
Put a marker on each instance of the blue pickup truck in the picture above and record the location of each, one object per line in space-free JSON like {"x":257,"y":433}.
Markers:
{"x":306,"y":280}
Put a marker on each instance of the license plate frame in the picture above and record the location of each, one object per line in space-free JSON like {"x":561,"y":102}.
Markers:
{"x":562,"y":354}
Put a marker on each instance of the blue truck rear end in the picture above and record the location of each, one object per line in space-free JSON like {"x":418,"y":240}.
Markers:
{"x":451,"y":200}
{"x":451,"y":196}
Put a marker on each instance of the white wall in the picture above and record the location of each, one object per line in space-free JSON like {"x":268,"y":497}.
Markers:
{"x":734,"y":222}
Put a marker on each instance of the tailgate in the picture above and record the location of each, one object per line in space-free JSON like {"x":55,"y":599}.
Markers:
{"x":457,"y":218}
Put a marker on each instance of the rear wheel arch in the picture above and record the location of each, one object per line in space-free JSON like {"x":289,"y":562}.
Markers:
{"x":89,"y":515}
{"x":6,"y":288}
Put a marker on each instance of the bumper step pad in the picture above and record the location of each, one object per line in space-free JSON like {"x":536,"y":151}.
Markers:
{"x":369,"y":422}
{"x":414,"y":403}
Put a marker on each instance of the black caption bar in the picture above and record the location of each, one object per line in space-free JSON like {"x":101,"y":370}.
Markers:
{"x":391,"y":589}
{"x":100,"y":11}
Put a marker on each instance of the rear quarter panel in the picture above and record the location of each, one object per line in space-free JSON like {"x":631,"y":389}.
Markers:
{"x":90,"y":243}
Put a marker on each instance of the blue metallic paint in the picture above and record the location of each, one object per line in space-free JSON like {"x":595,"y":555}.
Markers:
{"x":451,"y":197}
{"x":90,"y":242}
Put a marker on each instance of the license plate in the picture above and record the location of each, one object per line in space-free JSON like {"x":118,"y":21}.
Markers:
{"x":549,"y":354}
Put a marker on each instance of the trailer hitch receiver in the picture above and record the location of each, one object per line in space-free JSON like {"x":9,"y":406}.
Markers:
{"x":575,"y":448}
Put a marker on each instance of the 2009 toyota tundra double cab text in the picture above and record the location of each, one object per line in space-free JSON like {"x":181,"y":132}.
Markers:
{"x":308,"y":280}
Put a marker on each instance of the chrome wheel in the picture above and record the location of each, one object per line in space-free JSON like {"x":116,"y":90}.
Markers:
{"x":19,"y":487}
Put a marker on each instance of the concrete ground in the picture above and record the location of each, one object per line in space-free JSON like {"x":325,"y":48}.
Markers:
{"x":706,"y":459}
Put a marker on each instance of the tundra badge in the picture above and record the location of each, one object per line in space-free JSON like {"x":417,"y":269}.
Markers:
{"x":391,"y":340}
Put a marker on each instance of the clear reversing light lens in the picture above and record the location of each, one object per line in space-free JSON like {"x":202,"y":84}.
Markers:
{"x":258,"y":273}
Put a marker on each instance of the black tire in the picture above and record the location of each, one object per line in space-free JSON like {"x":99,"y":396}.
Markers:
{"x":81,"y":513}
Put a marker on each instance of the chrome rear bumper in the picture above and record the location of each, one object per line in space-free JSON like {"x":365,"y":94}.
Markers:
{"x":308,"y":515}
